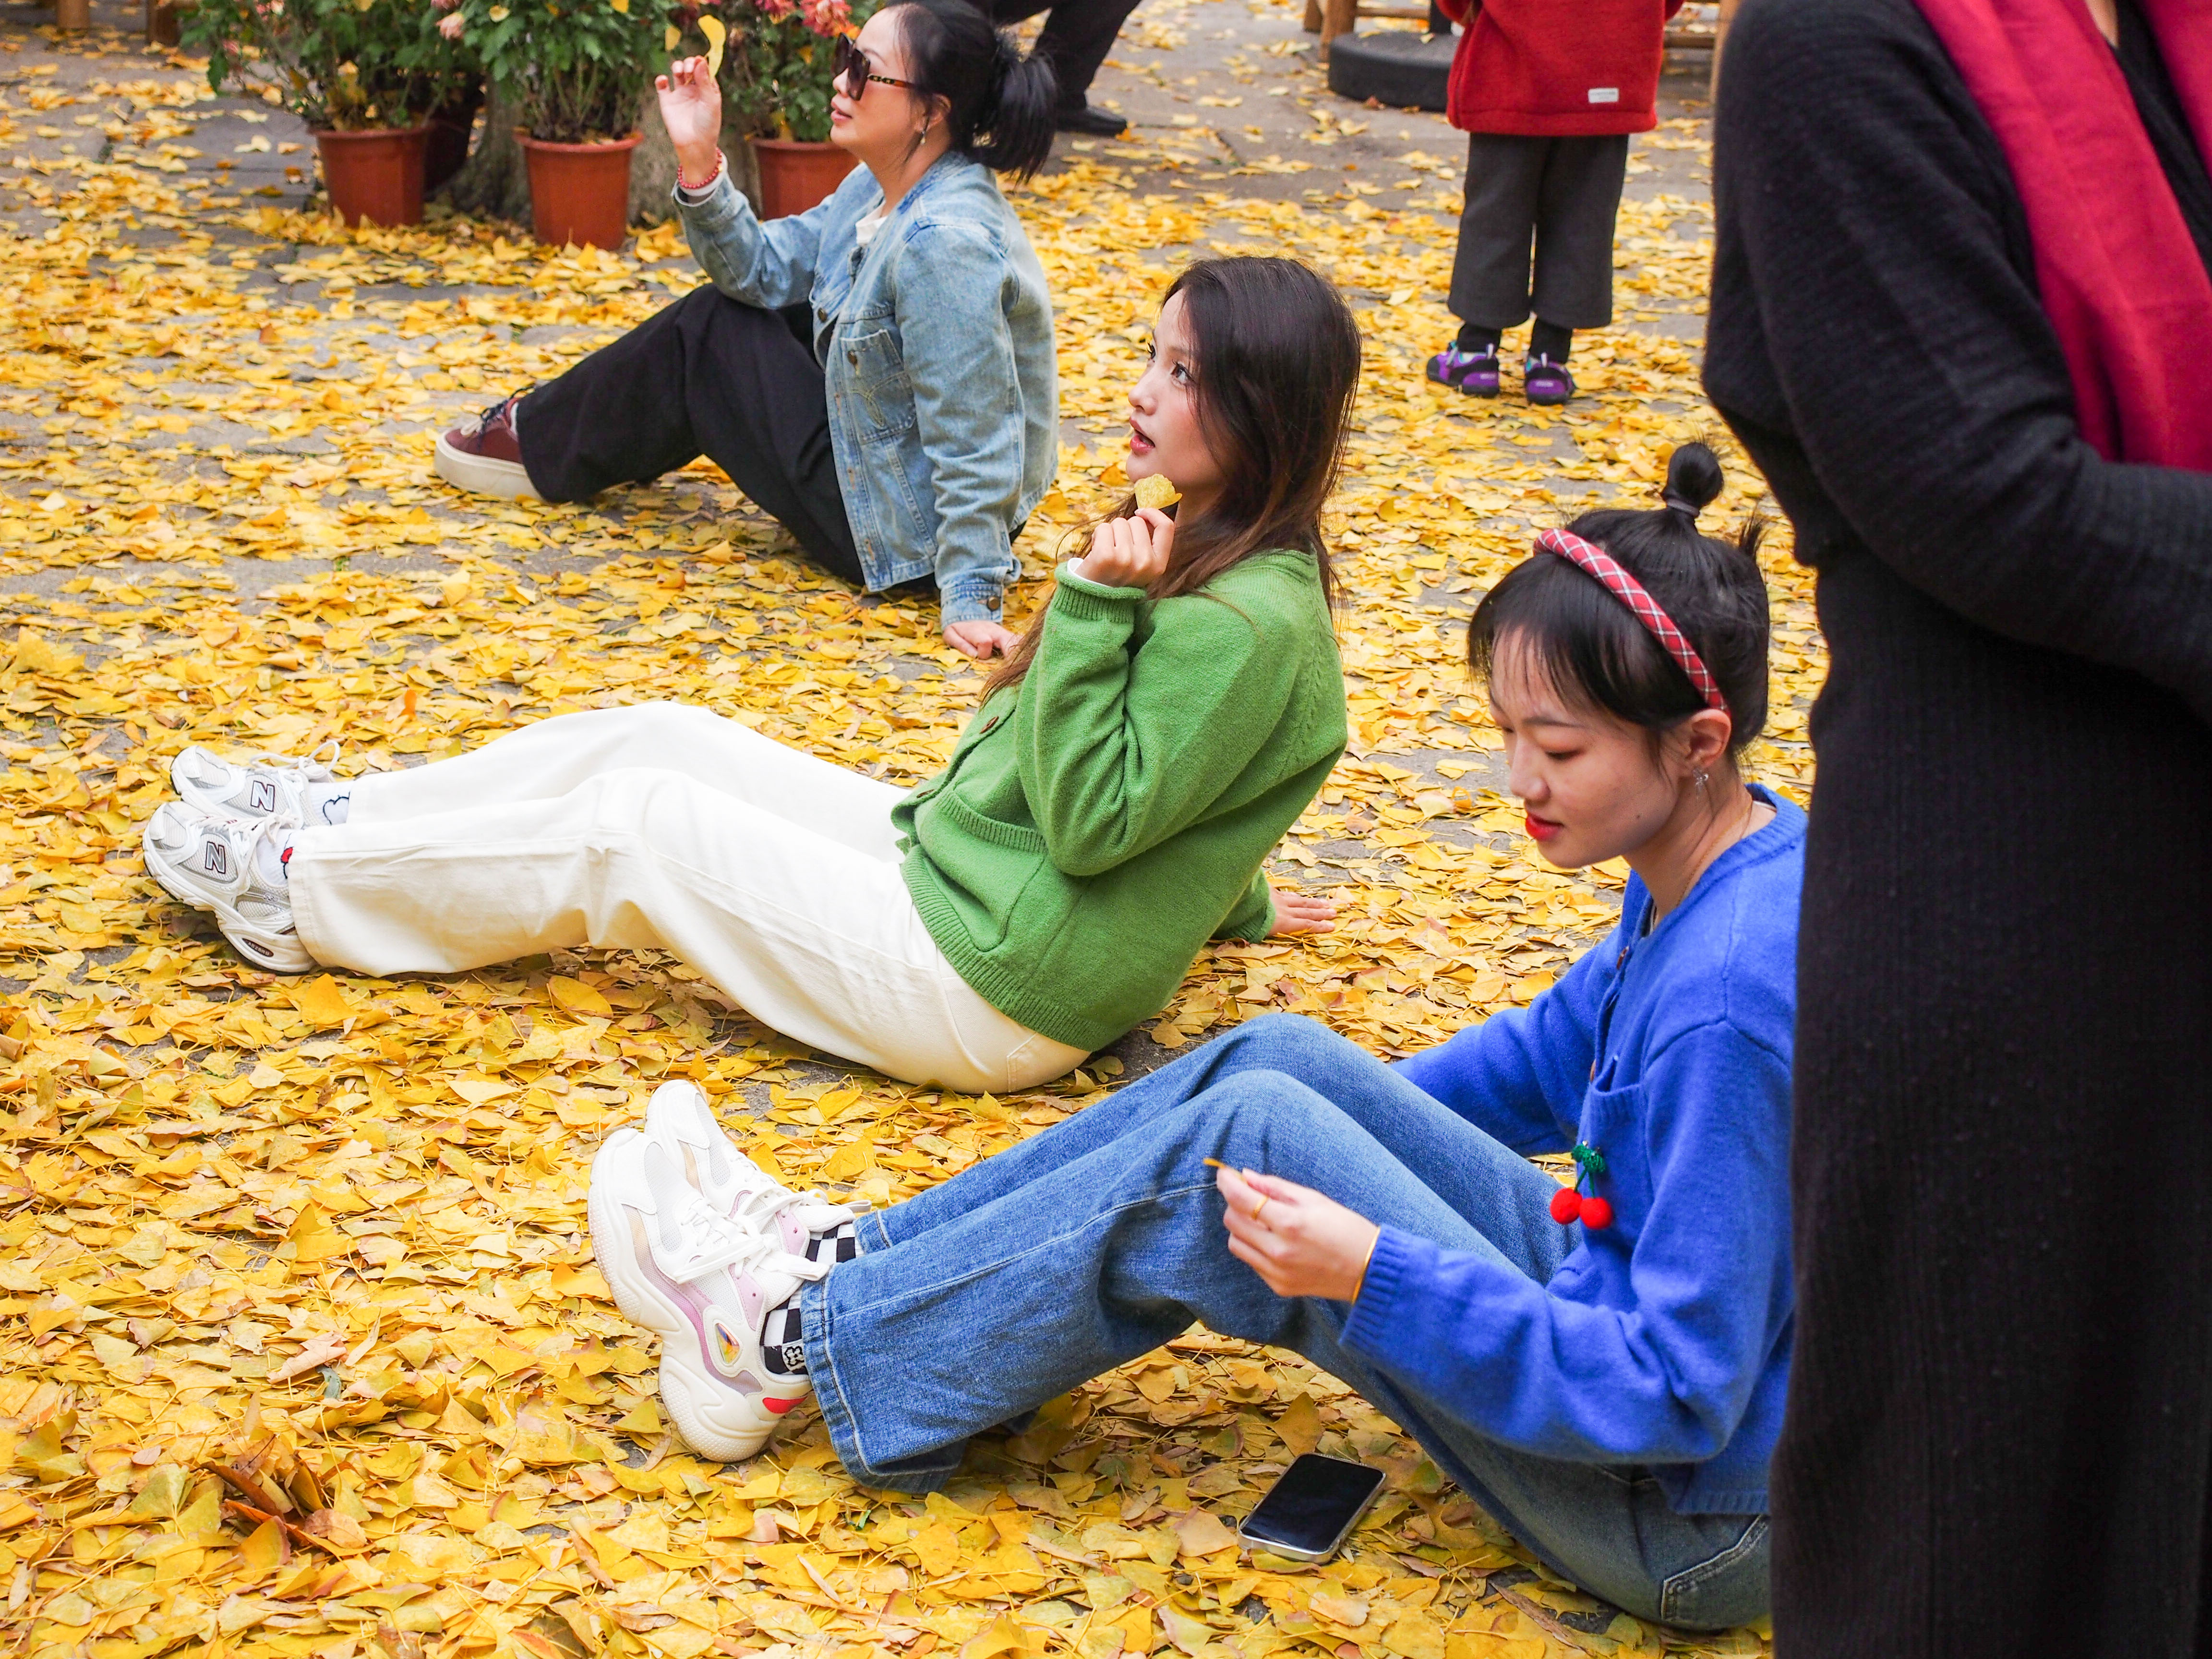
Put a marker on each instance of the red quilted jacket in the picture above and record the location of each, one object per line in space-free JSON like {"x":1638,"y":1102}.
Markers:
{"x":1557,"y":68}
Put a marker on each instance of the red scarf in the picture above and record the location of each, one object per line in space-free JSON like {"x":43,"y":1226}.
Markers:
{"x":2121,"y":278}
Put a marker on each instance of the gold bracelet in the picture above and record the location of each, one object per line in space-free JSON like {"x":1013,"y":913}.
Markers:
{"x":1365,"y":1265}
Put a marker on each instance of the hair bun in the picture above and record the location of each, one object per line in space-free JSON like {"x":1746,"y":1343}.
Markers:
{"x":1693,"y":479}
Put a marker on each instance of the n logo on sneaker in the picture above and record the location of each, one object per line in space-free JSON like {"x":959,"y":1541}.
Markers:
{"x":215,"y":857}
{"x":261,"y":796}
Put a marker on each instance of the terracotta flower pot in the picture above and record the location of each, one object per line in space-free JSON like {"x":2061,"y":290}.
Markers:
{"x":796,"y":175}
{"x":375,"y":178}
{"x":580,"y":193}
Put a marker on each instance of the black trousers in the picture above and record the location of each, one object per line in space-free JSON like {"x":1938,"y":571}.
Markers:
{"x":708,"y":375}
{"x":1563,"y":195}
{"x":1076,"y":38}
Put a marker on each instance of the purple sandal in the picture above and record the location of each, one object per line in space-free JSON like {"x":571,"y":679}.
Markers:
{"x":1475,"y":373}
{"x":1546,"y":381}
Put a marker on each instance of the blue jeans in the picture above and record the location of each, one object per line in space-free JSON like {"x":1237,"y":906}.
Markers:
{"x":1101,"y":1238}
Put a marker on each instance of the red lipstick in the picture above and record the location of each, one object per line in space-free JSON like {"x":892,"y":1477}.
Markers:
{"x":1542,"y":829}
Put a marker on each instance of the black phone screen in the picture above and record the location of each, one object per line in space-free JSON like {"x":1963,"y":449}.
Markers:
{"x":1309,"y":1508}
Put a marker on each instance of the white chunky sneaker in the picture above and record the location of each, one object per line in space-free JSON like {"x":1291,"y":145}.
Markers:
{"x":705,"y":1286}
{"x":681,"y":1121}
{"x":214,"y":863}
{"x":258,"y":787}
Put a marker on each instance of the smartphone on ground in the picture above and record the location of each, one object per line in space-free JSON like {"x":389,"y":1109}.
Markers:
{"x":1312,"y":1507}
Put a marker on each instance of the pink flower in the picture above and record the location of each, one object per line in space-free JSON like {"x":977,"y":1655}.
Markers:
{"x":830,"y":18}
{"x":451,"y":25}
{"x":777,"y":8}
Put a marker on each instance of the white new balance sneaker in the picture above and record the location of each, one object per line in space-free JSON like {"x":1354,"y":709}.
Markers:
{"x":706,"y":1286}
{"x":679,"y":1120}
{"x":258,"y":787}
{"x":213,"y":863}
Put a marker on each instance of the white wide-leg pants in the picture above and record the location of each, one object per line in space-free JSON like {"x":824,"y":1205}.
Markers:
{"x":663,"y":826}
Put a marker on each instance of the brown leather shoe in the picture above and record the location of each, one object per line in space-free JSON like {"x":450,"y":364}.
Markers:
{"x":486,"y":460}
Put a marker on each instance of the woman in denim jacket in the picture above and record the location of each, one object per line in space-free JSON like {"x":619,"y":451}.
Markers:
{"x":877,"y":373}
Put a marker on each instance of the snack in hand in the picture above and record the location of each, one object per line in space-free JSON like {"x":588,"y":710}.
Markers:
{"x":716,"y":35}
{"x":1157,"y":492}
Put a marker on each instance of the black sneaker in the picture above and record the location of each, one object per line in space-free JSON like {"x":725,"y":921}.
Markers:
{"x":1090,"y":121}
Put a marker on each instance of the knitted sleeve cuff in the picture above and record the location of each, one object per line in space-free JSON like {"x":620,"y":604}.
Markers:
{"x":1367,"y":1331}
{"x":1084,"y":597}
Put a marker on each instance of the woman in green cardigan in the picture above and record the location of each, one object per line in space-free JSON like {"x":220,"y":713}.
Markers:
{"x":1176,"y":707}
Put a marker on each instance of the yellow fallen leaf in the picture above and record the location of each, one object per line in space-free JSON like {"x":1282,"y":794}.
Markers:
{"x":716,"y":34}
{"x":1156,"y":490}
{"x":937,"y":1547}
{"x":579,"y":998}
{"x":1346,"y":1610}
{"x":1300,"y":1425}
{"x":1200,"y":1533}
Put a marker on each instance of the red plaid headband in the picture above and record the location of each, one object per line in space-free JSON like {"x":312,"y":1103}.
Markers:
{"x":1594,"y":561}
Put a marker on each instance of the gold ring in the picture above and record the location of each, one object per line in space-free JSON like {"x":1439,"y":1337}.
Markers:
{"x":1261,"y":1204}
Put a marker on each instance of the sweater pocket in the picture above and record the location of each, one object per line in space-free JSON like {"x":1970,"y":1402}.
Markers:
{"x":1613,"y":1123}
{"x":999,"y":871}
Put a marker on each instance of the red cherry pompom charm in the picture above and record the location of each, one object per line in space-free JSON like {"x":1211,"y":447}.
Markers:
{"x":1567,"y":1204}
{"x":1597,"y":1213}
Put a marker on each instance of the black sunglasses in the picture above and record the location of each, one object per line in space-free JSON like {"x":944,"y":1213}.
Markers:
{"x":855,"y":70}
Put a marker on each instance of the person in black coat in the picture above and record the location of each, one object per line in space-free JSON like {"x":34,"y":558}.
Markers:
{"x":2000,"y":1418}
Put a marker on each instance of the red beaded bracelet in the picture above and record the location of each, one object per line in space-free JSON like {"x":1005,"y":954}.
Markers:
{"x":685,"y":184}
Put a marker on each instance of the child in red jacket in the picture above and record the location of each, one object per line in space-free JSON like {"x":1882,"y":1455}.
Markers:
{"x":1548,"y":92}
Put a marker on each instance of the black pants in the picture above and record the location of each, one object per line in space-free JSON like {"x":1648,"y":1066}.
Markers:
{"x":1563,"y":194}
{"x":1076,"y":38}
{"x":708,"y":375}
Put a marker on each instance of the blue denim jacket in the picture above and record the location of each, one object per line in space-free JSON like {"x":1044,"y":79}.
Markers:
{"x":937,"y":344}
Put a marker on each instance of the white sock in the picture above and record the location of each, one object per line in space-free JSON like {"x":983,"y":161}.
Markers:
{"x":270,"y":857}
{"x":327,"y":803}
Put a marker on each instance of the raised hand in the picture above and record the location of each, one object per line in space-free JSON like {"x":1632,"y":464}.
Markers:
{"x":1129,"y":552}
{"x":691,"y":110}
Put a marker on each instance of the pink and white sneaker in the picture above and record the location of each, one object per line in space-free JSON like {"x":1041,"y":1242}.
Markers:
{"x":679,"y":1120}
{"x":706,"y":1286}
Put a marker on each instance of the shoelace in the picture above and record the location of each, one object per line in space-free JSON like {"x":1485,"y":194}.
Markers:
{"x":715,"y":1241}
{"x":257,"y":830}
{"x":490,"y":417}
{"x":310,"y":767}
{"x":761,"y":1207}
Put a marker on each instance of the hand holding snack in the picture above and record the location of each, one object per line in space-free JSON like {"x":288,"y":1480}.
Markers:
{"x":1129,"y":552}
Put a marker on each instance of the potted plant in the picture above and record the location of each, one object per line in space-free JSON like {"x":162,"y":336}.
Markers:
{"x":776,"y":81}
{"x":363,"y":75}
{"x":574,"y":71}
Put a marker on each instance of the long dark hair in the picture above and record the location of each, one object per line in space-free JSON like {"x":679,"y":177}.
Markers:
{"x":998,"y":103}
{"x":1594,"y":652}
{"x":1278,"y":367}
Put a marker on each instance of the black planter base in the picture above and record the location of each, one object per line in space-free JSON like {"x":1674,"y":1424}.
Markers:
{"x":1397,"y":68}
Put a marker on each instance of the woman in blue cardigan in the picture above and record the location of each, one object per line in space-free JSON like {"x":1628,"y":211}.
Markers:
{"x":1603,"y":1368}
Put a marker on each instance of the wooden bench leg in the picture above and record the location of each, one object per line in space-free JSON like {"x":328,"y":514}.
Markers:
{"x":1338,"y":17}
{"x":1313,"y":16}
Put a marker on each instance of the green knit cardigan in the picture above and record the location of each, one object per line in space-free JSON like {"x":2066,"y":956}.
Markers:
{"x":1101,"y":820}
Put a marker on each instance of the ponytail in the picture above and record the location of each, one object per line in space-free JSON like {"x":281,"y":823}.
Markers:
{"x":998,"y":103}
